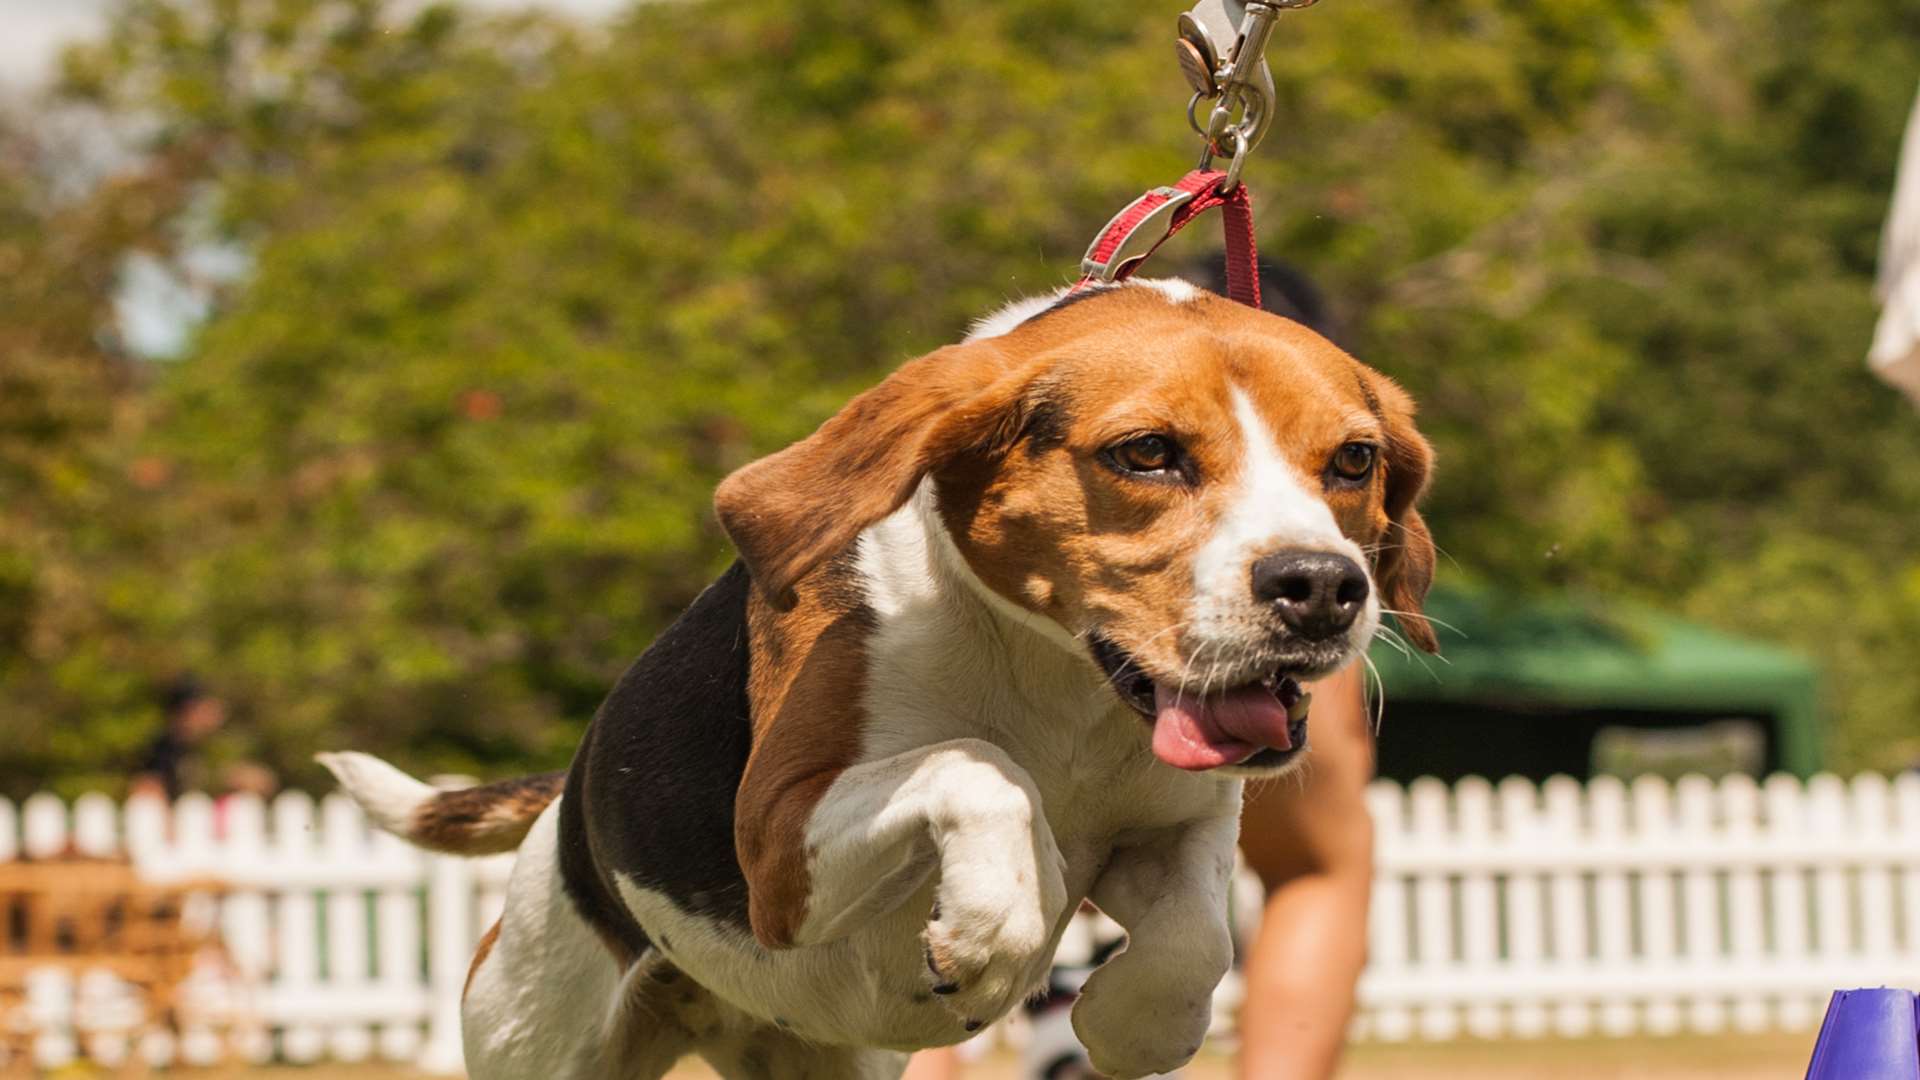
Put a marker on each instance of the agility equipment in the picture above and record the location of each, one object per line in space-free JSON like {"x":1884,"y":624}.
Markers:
{"x":1867,"y":1035}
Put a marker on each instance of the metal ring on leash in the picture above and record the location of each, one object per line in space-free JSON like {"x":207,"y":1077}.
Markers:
{"x":1232,"y":179}
{"x":1240,"y":85}
{"x":1243,"y":92}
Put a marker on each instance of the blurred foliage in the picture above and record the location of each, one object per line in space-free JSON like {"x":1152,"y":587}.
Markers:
{"x":521,"y":292}
{"x":76,"y":660}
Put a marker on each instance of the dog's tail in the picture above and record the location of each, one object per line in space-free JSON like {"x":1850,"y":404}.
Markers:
{"x":483,"y":820}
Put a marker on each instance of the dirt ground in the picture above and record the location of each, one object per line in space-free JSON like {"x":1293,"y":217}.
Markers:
{"x":1743,"y":1057}
{"x":1732,"y":1058}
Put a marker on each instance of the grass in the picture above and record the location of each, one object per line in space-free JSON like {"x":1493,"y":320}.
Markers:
{"x":1730,"y":1057}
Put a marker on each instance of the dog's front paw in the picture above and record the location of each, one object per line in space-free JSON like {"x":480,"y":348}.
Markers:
{"x":989,"y":948}
{"x":1133,"y":1027}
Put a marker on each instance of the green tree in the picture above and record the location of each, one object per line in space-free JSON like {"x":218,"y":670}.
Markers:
{"x":73,"y":655}
{"x":520,"y":295}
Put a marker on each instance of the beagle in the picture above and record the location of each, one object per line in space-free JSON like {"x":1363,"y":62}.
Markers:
{"x":1006,"y":633}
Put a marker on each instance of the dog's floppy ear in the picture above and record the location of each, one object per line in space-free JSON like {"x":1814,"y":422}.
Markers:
{"x":1404,"y":568}
{"x":788,"y":512}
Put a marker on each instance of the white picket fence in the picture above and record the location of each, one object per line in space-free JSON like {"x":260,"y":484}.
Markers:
{"x":339,"y":941}
{"x":1509,"y":911}
{"x":1523,"y":911}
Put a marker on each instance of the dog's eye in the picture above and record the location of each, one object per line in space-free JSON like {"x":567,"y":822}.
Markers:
{"x":1147,"y":455}
{"x":1354,"y":461}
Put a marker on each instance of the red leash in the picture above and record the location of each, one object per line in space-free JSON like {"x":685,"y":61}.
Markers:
{"x":1136,"y":232}
{"x":1222,"y":50}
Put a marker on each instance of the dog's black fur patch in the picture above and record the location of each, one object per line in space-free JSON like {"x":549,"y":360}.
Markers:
{"x":651,"y":790}
{"x":1046,"y":426}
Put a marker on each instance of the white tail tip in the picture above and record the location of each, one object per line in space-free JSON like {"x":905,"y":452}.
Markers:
{"x":389,"y":796}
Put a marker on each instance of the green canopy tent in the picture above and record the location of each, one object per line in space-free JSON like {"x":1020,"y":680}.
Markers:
{"x":1524,"y":686}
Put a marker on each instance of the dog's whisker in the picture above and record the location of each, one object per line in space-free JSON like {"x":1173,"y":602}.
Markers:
{"x":1398,"y":643}
{"x":1438,"y":550}
{"x":1174,"y":629}
{"x":1394,"y":641}
{"x":1179,"y":692}
{"x":1420,"y":658}
{"x":1206,"y":678}
{"x":1378,"y":704}
{"x":1441,"y":623}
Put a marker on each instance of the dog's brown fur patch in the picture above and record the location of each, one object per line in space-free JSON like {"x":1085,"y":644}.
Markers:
{"x":809,"y":669}
{"x":793,"y":510}
{"x":480,"y":954}
{"x":484,"y":820}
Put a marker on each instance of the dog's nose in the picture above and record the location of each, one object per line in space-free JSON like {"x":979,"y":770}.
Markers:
{"x":1317,"y":593}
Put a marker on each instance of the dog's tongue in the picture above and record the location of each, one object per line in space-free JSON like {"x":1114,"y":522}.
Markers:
{"x":1191,"y":732}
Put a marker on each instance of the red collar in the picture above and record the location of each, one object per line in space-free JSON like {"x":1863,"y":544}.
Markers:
{"x":1151,"y":220}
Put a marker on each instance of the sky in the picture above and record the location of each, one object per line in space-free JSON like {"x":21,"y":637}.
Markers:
{"x":32,"y":31}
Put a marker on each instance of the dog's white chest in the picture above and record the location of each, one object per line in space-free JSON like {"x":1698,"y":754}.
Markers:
{"x":868,"y":988}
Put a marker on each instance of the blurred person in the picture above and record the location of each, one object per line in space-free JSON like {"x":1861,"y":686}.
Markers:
{"x":249,"y":778}
{"x":242,"y":780}
{"x":1895,"y":355}
{"x":170,"y":765}
{"x":1309,"y":838}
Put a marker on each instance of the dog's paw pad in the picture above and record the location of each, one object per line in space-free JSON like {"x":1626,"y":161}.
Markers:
{"x":1137,"y":1034}
{"x":982,"y":973}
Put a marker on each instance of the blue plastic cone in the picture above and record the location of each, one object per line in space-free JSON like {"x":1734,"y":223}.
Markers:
{"x":1867,"y":1035}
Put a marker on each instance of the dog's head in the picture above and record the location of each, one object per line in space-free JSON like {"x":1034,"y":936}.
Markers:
{"x":1215,"y":502}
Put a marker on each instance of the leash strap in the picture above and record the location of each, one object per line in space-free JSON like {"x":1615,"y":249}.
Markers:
{"x":1137,"y":231}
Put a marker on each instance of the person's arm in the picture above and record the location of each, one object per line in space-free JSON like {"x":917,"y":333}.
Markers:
{"x":147,"y":785}
{"x":1311,"y":841}
{"x":941,"y":1064}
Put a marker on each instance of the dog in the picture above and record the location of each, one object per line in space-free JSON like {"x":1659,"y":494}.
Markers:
{"x":1008,"y":632}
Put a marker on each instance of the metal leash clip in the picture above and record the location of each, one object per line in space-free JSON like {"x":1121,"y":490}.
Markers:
{"x":1237,"y":82}
{"x":1137,"y":240}
{"x":1241,"y":88}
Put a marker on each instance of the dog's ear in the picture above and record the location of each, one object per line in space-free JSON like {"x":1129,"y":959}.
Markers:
{"x":1404,"y":566}
{"x":789,"y":512}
